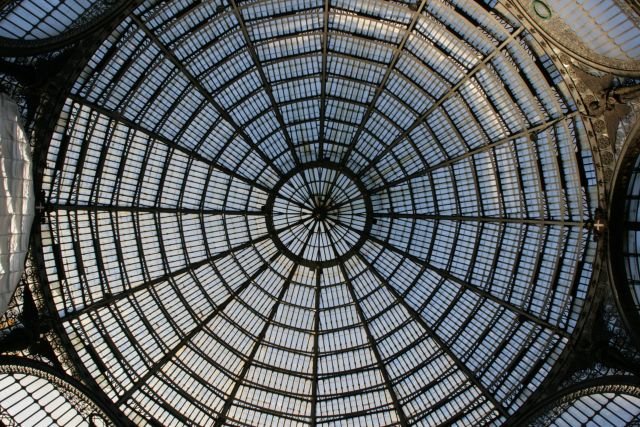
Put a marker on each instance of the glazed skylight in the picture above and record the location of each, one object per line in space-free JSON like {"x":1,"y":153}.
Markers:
{"x":301,"y":213}
{"x":40,"y":19}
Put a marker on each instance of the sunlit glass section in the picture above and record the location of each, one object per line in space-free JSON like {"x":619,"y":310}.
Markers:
{"x":35,"y":394}
{"x":312,"y":213}
{"x":42,"y":19}
{"x":599,"y":406}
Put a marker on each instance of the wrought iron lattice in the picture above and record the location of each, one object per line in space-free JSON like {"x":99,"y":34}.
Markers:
{"x":32,"y":20}
{"x":594,"y":403}
{"x":32,"y":27}
{"x":618,"y":336}
{"x":631,"y":251}
{"x":35,"y":394}
{"x":288,"y":212}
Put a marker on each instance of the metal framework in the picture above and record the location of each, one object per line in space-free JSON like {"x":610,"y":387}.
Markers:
{"x":34,"y":393}
{"x":629,"y":283}
{"x":315,"y":212}
{"x":623,"y":243}
{"x":30,"y":27}
{"x":604,"y":35}
{"x":601,"y":402}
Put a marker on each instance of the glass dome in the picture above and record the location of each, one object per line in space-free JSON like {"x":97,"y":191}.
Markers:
{"x":34,"y":394}
{"x":604,"y":34}
{"x":313,"y":213}
{"x":631,"y":250}
{"x":40,"y":19}
{"x":602,"y":402}
{"x":36,"y":27}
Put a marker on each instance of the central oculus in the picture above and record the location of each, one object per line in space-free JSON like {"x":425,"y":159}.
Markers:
{"x":319,"y":214}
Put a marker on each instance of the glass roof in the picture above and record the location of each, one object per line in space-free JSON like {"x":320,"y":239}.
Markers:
{"x":604,"y":405}
{"x":604,"y":26}
{"x":41,"y":19}
{"x":306,"y":212}
{"x":34,"y":394}
{"x":606,"y":409}
{"x":631,"y":235}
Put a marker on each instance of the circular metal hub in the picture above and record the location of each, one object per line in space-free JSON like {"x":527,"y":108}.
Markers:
{"x":319,"y":214}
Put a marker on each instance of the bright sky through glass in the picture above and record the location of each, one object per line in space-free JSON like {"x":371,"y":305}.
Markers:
{"x":445,"y":131}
